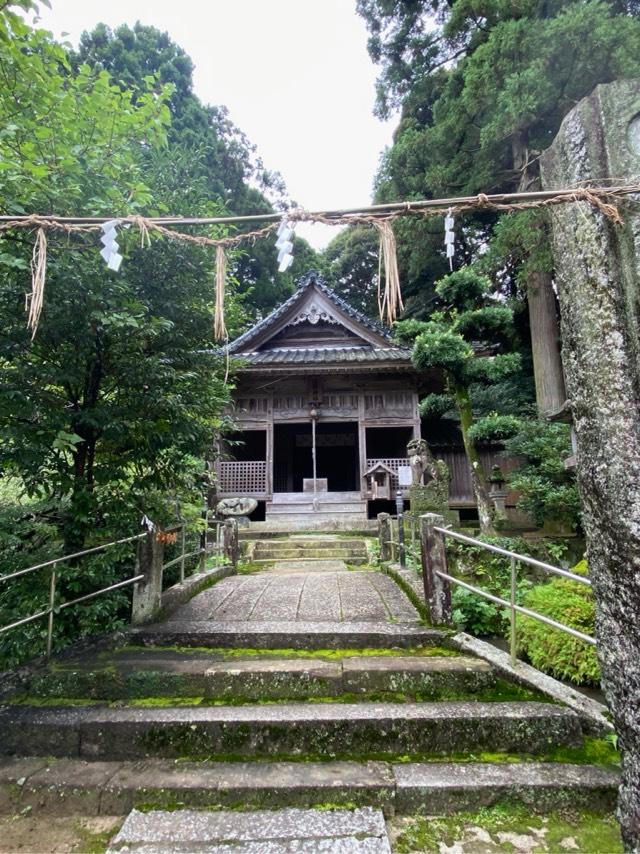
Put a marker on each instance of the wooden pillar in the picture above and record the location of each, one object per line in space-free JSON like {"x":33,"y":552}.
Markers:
{"x":417,"y":432}
{"x":269,"y":452}
{"x":362,"y":446}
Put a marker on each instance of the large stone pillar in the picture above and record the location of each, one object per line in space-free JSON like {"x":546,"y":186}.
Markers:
{"x":598,"y":281}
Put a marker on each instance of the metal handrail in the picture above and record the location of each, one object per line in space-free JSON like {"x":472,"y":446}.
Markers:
{"x":511,"y":603}
{"x":53,"y":608}
{"x":62,"y":605}
{"x":540,"y":564}
{"x":56,"y":560}
{"x":519,"y":608}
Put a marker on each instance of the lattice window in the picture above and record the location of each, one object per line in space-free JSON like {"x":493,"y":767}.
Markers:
{"x":248,"y":477}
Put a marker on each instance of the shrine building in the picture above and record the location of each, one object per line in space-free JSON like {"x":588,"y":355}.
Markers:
{"x":325,"y":405}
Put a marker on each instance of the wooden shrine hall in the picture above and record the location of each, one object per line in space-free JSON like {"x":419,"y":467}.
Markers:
{"x":325,"y":405}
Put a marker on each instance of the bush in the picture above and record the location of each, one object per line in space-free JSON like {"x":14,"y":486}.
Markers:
{"x":478,"y":616}
{"x":491,"y":572}
{"x":550,"y":650}
{"x":548,"y":490}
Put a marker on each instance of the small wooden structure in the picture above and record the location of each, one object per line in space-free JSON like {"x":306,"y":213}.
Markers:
{"x":380,"y":479}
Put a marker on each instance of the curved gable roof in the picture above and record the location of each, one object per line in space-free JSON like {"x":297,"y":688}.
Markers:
{"x":265,"y":329}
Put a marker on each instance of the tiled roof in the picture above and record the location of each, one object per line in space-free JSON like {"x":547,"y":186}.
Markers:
{"x":305,"y":282}
{"x":326,"y":355}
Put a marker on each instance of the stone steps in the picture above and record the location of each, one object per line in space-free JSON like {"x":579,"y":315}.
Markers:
{"x":290,"y":554}
{"x":289,"y":729}
{"x":164,"y":673}
{"x":293,"y":549}
{"x":250,"y":634}
{"x":359,"y":831}
{"x":76,"y":786}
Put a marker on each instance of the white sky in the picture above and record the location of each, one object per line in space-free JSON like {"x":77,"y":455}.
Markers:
{"x":294,"y":74}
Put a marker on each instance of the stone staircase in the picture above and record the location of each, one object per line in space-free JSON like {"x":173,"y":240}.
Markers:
{"x":302,"y":551}
{"x":332,"y":510}
{"x":216,"y":710}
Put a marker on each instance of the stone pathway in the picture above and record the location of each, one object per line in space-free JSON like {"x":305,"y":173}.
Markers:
{"x":316,"y":597}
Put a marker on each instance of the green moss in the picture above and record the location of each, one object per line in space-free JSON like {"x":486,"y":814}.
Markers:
{"x":94,"y":843}
{"x":224,"y":653}
{"x":151,"y":702}
{"x":593,"y":833}
{"x":596,"y":751}
{"x":417,"y":602}
{"x":249,"y":568}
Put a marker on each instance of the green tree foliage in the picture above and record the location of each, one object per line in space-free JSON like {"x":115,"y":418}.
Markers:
{"x":482,"y":87}
{"x":463,"y":340}
{"x":351,"y":267}
{"x":548,"y":490}
{"x":109,"y":412}
{"x":220,"y":155}
{"x":116,"y":396}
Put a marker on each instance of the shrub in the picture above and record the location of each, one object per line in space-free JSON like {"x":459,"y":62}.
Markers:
{"x":550,"y":650}
{"x":476,"y":615}
{"x":548,"y":490}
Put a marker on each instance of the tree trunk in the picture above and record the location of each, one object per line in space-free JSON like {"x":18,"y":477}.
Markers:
{"x":598,"y":278}
{"x":545,"y":344}
{"x":543,"y":317}
{"x":82,"y":503}
{"x":478,"y":479}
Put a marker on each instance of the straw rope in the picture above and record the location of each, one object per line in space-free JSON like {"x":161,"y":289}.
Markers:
{"x":604,"y":199}
{"x":219,"y":328}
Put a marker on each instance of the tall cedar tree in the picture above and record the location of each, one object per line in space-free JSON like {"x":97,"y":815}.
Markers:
{"x":483,"y":87}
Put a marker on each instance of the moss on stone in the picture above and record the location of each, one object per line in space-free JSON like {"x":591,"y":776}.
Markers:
{"x":224,"y":653}
{"x":587,"y":832}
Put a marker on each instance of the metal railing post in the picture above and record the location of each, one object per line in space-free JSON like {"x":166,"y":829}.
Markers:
{"x":52,"y":602}
{"x":437,"y":590}
{"x":204,"y":539}
{"x":512,"y":600}
{"x":183,"y":537}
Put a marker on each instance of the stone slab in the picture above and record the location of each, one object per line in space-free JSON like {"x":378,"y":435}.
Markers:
{"x":170,"y":673}
{"x":318,"y":596}
{"x":302,"y":566}
{"x":324,"y":729}
{"x":593,"y":713}
{"x":301,"y":634}
{"x":263,"y":830}
{"x":60,"y":786}
{"x":247,"y":784}
{"x":70,"y":787}
{"x":180,"y":593}
{"x":442,"y":788}
{"x":13,"y":775}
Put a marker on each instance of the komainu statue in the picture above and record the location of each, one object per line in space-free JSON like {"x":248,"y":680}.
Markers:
{"x":421,"y":461}
{"x":432,"y":496}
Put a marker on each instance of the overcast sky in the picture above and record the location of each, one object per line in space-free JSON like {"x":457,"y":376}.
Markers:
{"x":295,"y":75}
